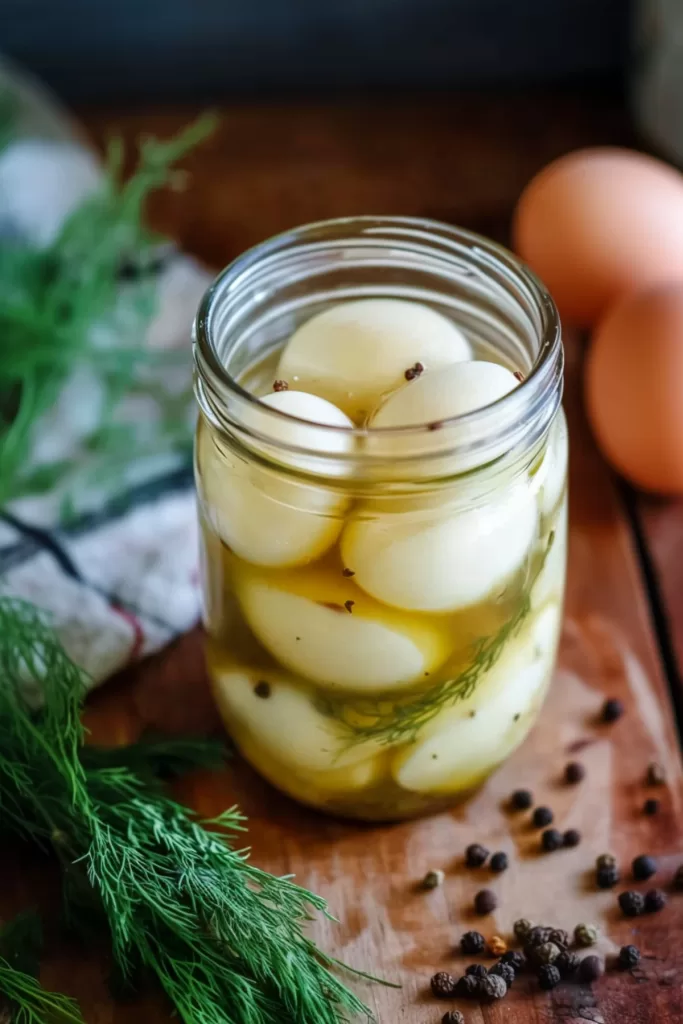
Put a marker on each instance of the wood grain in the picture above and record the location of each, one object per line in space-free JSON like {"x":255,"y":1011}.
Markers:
{"x":462,"y":160}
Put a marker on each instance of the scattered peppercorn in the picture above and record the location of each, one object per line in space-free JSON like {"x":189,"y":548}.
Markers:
{"x":453,"y":1017}
{"x":497,"y":945}
{"x":567,"y":963}
{"x":515,"y":959}
{"x":629,"y":956}
{"x":560,"y":937}
{"x":504,"y":971}
{"x":651,"y":807}
{"x":612,"y":710}
{"x":476,"y":971}
{"x":499,"y":862}
{"x":485,"y":902}
{"x":348,"y":573}
{"x":656,"y":776}
{"x":606,"y":860}
{"x":522,"y":927}
{"x":493,"y":987}
{"x":574,"y":772}
{"x":546,"y":954}
{"x":678,"y":878}
{"x":572,"y":837}
{"x":590,"y":969}
{"x":551,"y":840}
{"x":644,"y":867}
{"x":655,"y":900}
{"x":585,"y":935}
{"x":607,"y":877}
{"x":443,"y":985}
{"x":631,"y":903}
{"x":433,"y":879}
{"x":538,"y":935}
{"x":280,"y":385}
{"x":476,"y":855}
{"x":262,"y":690}
{"x":467,"y":987}
{"x":543,"y":817}
{"x":548,"y":977}
{"x":521,"y":800}
{"x":414,"y":371}
{"x":472,"y":943}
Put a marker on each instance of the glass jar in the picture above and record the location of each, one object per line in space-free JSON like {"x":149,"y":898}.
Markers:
{"x":382,"y":605}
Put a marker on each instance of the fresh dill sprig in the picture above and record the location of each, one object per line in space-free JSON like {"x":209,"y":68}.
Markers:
{"x":400,"y":721}
{"x":226,"y":941}
{"x":21,"y":994}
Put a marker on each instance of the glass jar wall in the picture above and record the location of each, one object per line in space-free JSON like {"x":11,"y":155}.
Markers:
{"x":381,"y":466}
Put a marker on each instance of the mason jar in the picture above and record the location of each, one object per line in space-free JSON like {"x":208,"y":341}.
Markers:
{"x":382,"y":600}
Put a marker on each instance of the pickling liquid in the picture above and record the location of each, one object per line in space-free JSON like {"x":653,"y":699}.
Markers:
{"x":348,"y":702}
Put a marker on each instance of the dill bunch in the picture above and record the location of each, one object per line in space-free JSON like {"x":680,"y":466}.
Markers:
{"x":225,"y":940}
{"x":21,"y":994}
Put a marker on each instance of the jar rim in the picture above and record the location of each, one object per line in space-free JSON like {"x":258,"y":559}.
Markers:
{"x":217,"y":388}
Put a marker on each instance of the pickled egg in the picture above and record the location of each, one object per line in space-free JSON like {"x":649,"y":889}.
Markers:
{"x":599,"y":223}
{"x":456,"y":749}
{"x":354,"y":353}
{"x":261,"y":515}
{"x":285,"y":719}
{"x":552,"y":474}
{"x":634,"y":388}
{"x":319,"y":625}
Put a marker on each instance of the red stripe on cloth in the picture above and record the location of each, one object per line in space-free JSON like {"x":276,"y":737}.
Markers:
{"x":138,"y":632}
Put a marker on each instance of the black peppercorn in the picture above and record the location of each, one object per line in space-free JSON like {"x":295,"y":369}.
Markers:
{"x":546,"y":954}
{"x":678,"y":878}
{"x":548,"y":977}
{"x":476,"y":855}
{"x":590,"y":969}
{"x":629,"y":956}
{"x":655,"y":900}
{"x":467,"y":987}
{"x":453,"y":1017}
{"x":538,"y":935}
{"x":543,"y":817}
{"x":280,"y":385}
{"x":631,"y":903}
{"x":493,"y":987}
{"x":499,"y":862}
{"x":551,"y":840}
{"x":572,"y":837}
{"x":644,"y":867}
{"x":574,"y":772}
{"x":567,"y":963}
{"x":585,"y":935}
{"x":472,"y":943}
{"x":485,"y":902}
{"x":560,"y":937}
{"x":262,"y":690}
{"x":656,"y":776}
{"x":612,"y":710}
{"x":606,"y":860}
{"x":476,"y":971}
{"x":522,"y":927}
{"x":515,"y":959}
{"x":504,"y":971}
{"x":607,"y":877}
{"x":651,"y":807}
{"x":521,"y":800}
{"x":443,"y":985}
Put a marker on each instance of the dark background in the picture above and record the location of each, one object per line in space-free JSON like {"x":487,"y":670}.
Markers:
{"x":196,"y":50}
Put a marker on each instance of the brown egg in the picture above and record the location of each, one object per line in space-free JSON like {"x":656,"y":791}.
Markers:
{"x":634,"y":388}
{"x":598,"y":223}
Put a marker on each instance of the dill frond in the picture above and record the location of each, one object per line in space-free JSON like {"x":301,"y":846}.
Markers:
{"x":24,"y":998}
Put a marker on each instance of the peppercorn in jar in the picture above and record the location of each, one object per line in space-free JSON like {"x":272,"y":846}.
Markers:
{"x":381,"y":465}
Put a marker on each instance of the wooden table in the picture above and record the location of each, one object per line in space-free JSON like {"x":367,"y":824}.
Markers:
{"x":462,"y":159}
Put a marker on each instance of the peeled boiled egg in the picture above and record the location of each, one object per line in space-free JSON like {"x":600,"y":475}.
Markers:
{"x":457,"y":748}
{"x":598,"y":223}
{"x":354,"y":353}
{"x":318,"y":624}
{"x":634,"y":388}
{"x":284,"y":718}
{"x":264,"y":517}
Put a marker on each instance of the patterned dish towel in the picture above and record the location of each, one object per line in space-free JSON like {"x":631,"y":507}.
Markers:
{"x":120,"y":580}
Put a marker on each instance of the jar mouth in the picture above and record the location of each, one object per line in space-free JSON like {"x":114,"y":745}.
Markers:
{"x":448,"y":255}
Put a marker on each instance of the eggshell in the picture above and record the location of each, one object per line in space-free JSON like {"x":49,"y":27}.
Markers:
{"x":262,"y":516}
{"x":301,"y":619}
{"x":598,"y":223}
{"x":634,"y":388}
{"x":456,"y":749}
{"x":354,"y":353}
